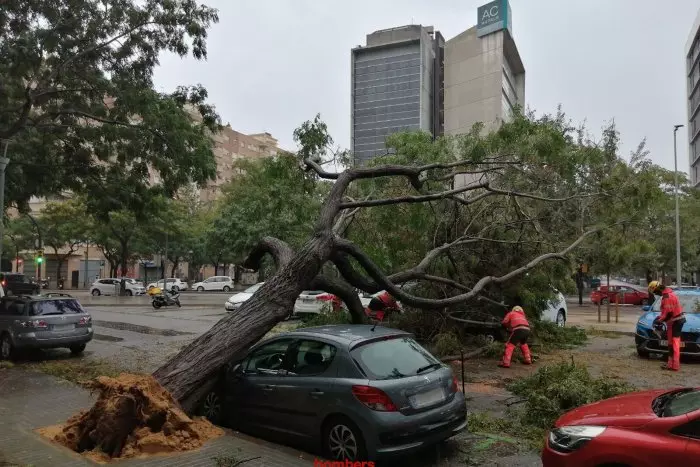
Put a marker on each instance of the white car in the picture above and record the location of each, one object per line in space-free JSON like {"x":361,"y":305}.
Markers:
{"x":557,"y":310}
{"x":224,"y":283}
{"x":172,"y":284}
{"x":235,"y":301}
{"x":312,"y":302}
{"x":111,"y":287}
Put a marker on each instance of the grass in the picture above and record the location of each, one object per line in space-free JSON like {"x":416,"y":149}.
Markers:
{"x":550,"y":336}
{"x":74,"y":370}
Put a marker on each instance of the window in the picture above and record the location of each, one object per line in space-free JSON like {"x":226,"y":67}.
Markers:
{"x":55,"y":307}
{"x":689,"y":430}
{"x":393,"y":358}
{"x":677,"y":403}
{"x":268,"y":358}
{"x":308,"y":357}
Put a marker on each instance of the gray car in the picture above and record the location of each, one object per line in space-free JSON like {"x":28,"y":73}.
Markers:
{"x":43,"y":322}
{"x":365,"y":392}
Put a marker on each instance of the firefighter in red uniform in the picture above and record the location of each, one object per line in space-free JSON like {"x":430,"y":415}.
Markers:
{"x":673,"y":317}
{"x":519,"y":329}
{"x":381,"y":305}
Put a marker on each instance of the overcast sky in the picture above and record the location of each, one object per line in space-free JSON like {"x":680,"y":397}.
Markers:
{"x":275,"y":63}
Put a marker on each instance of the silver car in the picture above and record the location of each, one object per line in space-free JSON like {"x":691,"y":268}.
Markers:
{"x":43,"y":322}
{"x":365,"y":392}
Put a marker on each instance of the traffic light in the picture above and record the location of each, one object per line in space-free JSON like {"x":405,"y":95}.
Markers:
{"x":39,"y":256}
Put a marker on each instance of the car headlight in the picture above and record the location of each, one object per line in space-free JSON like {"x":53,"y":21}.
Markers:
{"x":570,"y":438}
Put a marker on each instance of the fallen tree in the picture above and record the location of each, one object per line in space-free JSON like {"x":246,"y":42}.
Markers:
{"x":191,"y":373}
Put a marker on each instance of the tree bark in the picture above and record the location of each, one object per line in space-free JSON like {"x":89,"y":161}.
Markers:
{"x":192,"y":372}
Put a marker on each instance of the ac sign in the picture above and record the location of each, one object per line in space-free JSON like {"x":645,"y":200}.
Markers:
{"x":490,"y":15}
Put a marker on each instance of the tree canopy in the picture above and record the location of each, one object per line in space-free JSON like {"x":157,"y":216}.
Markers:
{"x":79,"y":111}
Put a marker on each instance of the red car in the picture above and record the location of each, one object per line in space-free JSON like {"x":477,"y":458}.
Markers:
{"x":640,"y":429}
{"x":630,"y":296}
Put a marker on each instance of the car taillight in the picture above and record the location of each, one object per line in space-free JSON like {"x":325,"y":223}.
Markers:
{"x":325,"y":297}
{"x":374,"y":398}
{"x":34,"y":324}
{"x":85,"y":320}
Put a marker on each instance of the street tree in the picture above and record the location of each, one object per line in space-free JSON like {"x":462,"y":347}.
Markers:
{"x":531,"y":168}
{"x":64,"y":228}
{"x":79,"y":108}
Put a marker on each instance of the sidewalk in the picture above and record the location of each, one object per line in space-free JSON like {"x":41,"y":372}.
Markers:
{"x":586,"y":316}
{"x":32,"y":400}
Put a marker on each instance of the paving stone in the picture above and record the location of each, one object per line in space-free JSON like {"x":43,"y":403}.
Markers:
{"x":30,"y":400}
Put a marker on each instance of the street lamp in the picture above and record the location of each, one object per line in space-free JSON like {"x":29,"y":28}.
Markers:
{"x":678,"y":221}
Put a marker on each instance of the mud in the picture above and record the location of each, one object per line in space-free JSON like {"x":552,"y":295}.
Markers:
{"x":133,"y":417}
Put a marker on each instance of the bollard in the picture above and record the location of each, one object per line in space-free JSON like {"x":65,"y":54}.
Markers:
{"x":617,"y":308}
{"x":599,"y":317}
{"x":608,"y":308}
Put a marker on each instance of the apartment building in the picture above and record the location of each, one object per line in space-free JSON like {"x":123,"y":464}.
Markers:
{"x":692,"y":57}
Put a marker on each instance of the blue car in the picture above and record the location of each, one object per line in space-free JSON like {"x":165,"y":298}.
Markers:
{"x":649,"y":341}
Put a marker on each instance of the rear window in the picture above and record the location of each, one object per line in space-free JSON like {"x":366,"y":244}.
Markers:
{"x":55,"y":307}
{"x":16,"y":278}
{"x":393,"y":358}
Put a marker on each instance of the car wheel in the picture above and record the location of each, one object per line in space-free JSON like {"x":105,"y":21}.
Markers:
{"x":342,"y":440}
{"x":227,"y":288}
{"x":95,"y":293}
{"x":200,"y":289}
{"x":212,"y":407}
{"x":7,"y":350}
{"x":156,"y":305}
{"x":129,"y":293}
{"x":77,"y":349}
{"x":604,"y":302}
{"x":561,"y":319}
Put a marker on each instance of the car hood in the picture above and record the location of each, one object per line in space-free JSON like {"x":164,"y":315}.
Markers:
{"x":692,"y":321}
{"x":239,"y":297}
{"x":627,"y":410}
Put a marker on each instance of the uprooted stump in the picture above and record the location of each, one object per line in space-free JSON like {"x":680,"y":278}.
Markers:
{"x":134,"y":416}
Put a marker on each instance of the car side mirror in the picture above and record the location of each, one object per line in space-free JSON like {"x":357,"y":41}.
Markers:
{"x":646,"y":308}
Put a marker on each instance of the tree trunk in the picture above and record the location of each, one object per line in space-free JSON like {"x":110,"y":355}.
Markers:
{"x":124,"y":261}
{"x":176,"y":263}
{"x":192,"y":372}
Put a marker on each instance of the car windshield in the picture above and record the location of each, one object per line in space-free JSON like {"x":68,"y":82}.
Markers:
{"x":55,"y":307}
{"x":689,"y":303}
{"x":675,"y":403}
{"x":253,"y":288}
{"x":394,"y":358}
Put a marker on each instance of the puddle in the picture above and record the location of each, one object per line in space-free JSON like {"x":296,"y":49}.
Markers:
{"x":138,"y":328}
{"x":105,"y":337}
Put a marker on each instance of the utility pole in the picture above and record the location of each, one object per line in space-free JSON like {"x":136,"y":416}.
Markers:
{"x":679,"y":277}
{"x":3,"y":164}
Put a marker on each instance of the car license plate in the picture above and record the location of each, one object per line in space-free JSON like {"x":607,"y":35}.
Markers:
{"x":63,"y":327}
{"x":665,"y":344}
{"x":427,"y":398}
{"x":308,"y":300}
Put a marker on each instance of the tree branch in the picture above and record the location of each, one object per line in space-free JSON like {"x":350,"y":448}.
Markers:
{"x":379,"y":278}
{"x":343,"y":291}
{"x":413,"y":198}
{"x":280,"y":251}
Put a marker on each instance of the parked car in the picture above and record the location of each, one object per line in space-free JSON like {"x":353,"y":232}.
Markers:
{"x":640,"y":429}
{"x":173,"y":284}
{"x":630,"y":296}
{"x":224,"y":283}
{"x":358,"y":391}
{"x":235,"y":301}
{"x":312,"y":302}
{"x":15,"y":283}
{"x":648,"y":341}
{"x":110,"y":286}
{"x":43,"y":322}
{"x":557,"y":311}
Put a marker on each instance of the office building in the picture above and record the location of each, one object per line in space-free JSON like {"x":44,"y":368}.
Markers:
{"x":692,"y":56}
{"x":395,"y":87}
{"x":410,"y":78}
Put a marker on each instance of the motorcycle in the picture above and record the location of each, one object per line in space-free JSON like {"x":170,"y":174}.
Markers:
{"x":160,"y":298}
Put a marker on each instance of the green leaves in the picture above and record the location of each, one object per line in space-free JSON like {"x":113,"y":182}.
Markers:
{"x":79,"y":108}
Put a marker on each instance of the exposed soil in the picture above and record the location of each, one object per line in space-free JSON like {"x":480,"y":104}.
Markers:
{"x":134,"y":416}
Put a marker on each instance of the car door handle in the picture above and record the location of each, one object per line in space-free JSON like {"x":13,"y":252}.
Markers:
{"x":316,"y":392}
{"x":267,"y":388}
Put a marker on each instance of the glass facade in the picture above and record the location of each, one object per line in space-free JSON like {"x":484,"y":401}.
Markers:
{"x":693,"y":69}
{"x":386,"y":97}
